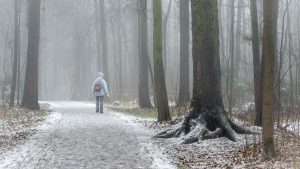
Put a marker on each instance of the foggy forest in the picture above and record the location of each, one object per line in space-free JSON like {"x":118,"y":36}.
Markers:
{"x":154,"y":84}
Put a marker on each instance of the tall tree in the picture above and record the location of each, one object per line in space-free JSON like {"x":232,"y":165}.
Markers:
{"x":165,"y":28}
{"x":98,"y":38}
{"x":278,"y":63}
{"x":207,"y":117}
{"x":238,"y":39}
{"x":298,"y":59}
{"x":16,"y":49}
{"x":159,"y":75}
{"x":290,"y":53}
{"x":144,"y":99}
{"x":231,"y":50}
{"x":30,"y":96}
{"x":184,"y":87}
{"x":268,"y":67}
{"x":120,"y":47}
{"x":256,"y":63}
{"x":103,"y":35}
{"x":19,"y":58}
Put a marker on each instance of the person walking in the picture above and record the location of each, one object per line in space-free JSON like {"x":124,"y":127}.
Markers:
{"x":100,"y":90}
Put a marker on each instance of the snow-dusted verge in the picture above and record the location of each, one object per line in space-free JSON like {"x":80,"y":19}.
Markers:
{"x":222,"y":153}
{"x":15,"y":157}
{"x":158,"y":156}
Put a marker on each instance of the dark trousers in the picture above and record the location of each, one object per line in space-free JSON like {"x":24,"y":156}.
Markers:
{"x":99,"y":102}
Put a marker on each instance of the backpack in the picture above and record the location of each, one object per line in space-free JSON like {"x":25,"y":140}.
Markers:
{"x":97,"y":88}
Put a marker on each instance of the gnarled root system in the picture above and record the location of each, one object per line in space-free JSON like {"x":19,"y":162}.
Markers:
{"x":205,"y":124}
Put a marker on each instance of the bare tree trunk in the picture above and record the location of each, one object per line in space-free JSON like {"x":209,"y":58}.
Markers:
{"x":104,"y":41}
{"x":221,"y":30}
{"x":184,"y":89}
{"x":278,"y":71}
{"x":15,"y":63}
{"x":120,"y":49}
{"x":19,"y":58}
{"x":290,"y":51}
{"x":276,"y":89}
{"x":159,"y":75}
{"x":7,"y":45}
{"x":256,"y":63}
{"x":298,"y":62}
{"x":144,"y":99}
{"x":4,"y":83}
{"x":207,"y":118}
{"x":30,"y":96}
{"x":237,"y":53}
{"x":268,"y":66}
{"x":114,"y":52}
{"x":165,"y":28}
{"x":98,"y":38}
{"x":231,"y":95}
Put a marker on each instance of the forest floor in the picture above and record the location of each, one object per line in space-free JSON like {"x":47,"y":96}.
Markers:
{"x":74,"y":136}
{"x":17,"y":125}
{"x":220,"y":152}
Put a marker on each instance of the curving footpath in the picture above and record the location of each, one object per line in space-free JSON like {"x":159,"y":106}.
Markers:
{"x":79,"y":138}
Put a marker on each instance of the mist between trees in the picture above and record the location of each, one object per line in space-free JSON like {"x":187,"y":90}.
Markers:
{"x":79,"y":38}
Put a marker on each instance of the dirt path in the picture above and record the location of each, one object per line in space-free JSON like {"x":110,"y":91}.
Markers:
{"x":77,"y":137}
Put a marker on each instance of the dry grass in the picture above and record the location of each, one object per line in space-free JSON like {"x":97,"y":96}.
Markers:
{"x":17,"y":124}
{"x":176,"y":112}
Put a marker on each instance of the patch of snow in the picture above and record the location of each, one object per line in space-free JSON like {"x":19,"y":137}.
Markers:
{"x":294,"y":127}
{"x":14,"y":158}
{"x":160,"y":159}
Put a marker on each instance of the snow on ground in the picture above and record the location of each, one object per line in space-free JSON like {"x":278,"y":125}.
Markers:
{"x":32,"y":147}
{"x":216,"y":153}
{"x":222,"y":153}
{"x":160,"y":159}
{"x":294,"y":127}
{"x":77,"y":137}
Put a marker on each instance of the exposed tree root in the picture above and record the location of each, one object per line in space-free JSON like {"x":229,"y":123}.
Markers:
{"x":205,"y":124}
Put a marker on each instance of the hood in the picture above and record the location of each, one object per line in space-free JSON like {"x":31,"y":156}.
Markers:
{"x":100,"y":74}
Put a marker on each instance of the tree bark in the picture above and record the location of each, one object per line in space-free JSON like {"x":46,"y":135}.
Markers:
{"x":238,"y":38}
{"x":144,"y":99}
{"x":165,"y":28}
{"x":19,"y":59}
{"x":184,"y":89}
{"x":278,"y":70}
{"x":16,"y":49}
{"x":98,"y":38}
{"x":256,"y":63}
{"x":290,"y":51}
{"x":206,"y":118}
{"x":268,"y":66}
{"x":30,"y":96}
{"x":103,"y":34}
{"x":120,"y":49}
{"x":277,"y":64}
{"x":238,"y":54}
{"x":159,"y":75}
{"x":231,"y":95}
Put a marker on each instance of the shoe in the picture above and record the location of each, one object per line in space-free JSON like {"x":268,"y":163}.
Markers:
{"x":97,"y":111}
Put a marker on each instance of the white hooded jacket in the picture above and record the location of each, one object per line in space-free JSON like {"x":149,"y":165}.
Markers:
{"x":103,"y":84}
